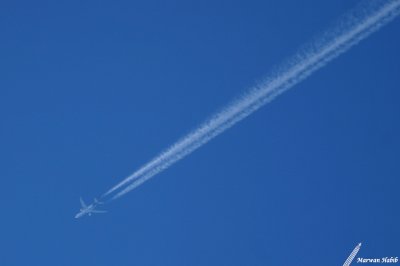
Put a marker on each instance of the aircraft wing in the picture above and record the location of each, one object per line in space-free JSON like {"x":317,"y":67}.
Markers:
{"x":83,"y":203}
{"x":98,"y":211}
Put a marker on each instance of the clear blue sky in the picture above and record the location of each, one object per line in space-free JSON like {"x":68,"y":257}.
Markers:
{"x":91,"y":90}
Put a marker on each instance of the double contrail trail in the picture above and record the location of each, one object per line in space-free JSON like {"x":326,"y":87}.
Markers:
{"x":351,"y":29}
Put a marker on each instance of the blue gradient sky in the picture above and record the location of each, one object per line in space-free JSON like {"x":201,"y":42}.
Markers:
{"x":91,"y":91}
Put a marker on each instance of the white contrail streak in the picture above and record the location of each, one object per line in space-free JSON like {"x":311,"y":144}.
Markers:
{"x":350,"y":30}
{"x":352,"y":255}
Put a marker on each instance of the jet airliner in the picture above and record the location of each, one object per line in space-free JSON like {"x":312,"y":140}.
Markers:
{"x":88,"y":209}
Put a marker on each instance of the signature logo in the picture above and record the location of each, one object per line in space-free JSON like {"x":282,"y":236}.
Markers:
{"x":353,"y":254}
{"x":378,"y":260}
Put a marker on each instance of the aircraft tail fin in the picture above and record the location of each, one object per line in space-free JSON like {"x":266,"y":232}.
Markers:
{"x":97,"y":201}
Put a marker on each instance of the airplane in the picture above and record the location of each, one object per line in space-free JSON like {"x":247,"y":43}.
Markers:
{"x":88,"y":209}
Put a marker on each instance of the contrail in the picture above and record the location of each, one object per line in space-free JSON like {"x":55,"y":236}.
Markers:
{"x":350,"y":30}
{"x":352,"y":255}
